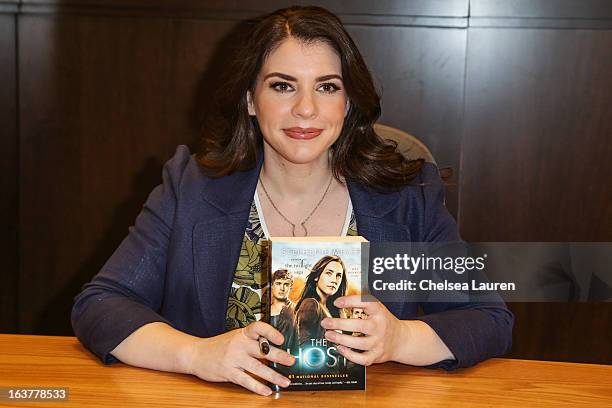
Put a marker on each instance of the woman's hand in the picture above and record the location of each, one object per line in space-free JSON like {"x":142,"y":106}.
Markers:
{"x":381,"y":331}
{"x":386,"y":338}
{"x":235,"y":357}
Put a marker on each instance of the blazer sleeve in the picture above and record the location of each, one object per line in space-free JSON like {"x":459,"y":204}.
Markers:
{"x":128,"y":290}
{"x":473,"y":332}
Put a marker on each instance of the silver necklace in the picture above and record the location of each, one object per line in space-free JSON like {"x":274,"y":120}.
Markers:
{"x":303,"y":223}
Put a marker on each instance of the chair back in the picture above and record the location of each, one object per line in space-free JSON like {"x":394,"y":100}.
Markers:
{"x":411,"y":147}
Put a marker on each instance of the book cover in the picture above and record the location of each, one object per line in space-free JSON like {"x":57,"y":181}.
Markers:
{"x":306,"y":275}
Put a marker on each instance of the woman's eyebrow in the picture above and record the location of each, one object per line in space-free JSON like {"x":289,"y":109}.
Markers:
{"x":294,"y":79}
{"x":280,"y":75}
{"x":328,"y":77}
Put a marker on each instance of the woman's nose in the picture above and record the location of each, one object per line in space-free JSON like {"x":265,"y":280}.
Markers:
{"x":305,"y":106}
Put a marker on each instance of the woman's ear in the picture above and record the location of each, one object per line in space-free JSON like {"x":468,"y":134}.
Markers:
{"x":347,"y":108}
{"x":250,"y":106}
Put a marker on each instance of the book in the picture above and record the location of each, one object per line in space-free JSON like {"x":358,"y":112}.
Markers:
{"x":305,"y":275}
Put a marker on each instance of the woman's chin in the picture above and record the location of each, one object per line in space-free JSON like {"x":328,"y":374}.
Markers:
{"x":299,"y":152}
{"x":304,"y":156}
{"x":329,"y":293}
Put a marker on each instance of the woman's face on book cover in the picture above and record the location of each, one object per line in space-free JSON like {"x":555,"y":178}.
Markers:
{"x":299,"y":100}
{"x":330,"y":279}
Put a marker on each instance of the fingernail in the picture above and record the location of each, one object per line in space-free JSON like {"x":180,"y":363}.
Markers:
{"x":326,"y":322}
{"x":329,"y":335}
{"x":286,"y":383}
{"x":339,"y":303}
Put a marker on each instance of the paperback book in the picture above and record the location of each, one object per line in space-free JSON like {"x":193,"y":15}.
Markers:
{"x":306,"y":275}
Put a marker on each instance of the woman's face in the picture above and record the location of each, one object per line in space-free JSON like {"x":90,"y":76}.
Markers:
{"x":330,"y":279}
{"x":299,"y":100}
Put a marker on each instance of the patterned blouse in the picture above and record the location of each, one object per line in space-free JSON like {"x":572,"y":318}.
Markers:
{"x":244,"y":305}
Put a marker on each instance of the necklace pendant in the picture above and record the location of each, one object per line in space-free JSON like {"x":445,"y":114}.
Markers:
{"x":303,"y":223}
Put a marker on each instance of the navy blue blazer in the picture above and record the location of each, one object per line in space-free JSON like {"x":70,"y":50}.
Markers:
{"x":177,"y":263}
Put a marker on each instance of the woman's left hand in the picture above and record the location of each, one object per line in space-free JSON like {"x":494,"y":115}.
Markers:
{"x":382,"y":331}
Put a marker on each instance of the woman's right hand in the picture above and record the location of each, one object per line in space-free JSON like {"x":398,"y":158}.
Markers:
{"x":233,"y":355}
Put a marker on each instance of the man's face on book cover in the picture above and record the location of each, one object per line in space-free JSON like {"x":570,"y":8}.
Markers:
{"x":280,"y":289}
{"x":358,"y":313}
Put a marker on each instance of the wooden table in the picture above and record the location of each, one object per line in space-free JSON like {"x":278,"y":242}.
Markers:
{"x":43,"y":361}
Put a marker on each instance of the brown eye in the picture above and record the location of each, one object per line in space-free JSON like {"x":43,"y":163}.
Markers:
{"x":329,"y":87}
{"x":281,"y":87}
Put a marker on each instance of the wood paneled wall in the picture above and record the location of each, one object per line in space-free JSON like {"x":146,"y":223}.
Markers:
{"x":513,"y":95}
{"x":9,"y":251}
{"x":536,"y":150}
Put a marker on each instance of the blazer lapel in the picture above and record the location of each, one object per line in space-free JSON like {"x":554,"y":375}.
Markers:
{"x":217,"y":241}
{"x":216,"y":250}
{"x":371,"y":209}
{"x":374,"y":213}
{"x":378,"y":230}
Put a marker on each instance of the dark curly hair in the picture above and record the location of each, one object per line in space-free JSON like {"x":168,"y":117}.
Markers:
{"x":232,"y":138}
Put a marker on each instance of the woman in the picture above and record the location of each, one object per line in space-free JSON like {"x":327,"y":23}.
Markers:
{"x":326,"y":282}
{"x":292,"y":153}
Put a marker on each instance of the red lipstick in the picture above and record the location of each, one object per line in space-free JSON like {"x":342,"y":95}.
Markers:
{"x":302,"y":133}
